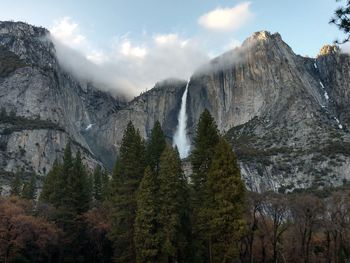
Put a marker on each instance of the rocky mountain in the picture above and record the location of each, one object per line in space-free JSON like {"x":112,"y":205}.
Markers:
{"x":46,"y":107}
{"x":287,"y":116}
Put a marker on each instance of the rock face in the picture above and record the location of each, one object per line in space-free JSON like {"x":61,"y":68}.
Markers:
{"x":50,"y":108}
{"x":35,"y":91}
{"x":287,"y":116}
{"x":160,"y":103}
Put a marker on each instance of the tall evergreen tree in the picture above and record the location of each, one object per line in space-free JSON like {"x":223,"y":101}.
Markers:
{"x":97,"y":188}
{"x":207,"y":136}
{"x":128,"y":174}
{"x":205,"y":141}
{"x":172,"y":206}
{"x":155,"y":146}
{"x":63,"y":194}
{"x":80,"y":187}
{"x":68,"y":188}
{"x":105,"y":186}
{"x":16,"y":185}
{"x":29,"y":188}
{"x":67,"y":165}
{"x":146,"y":237}
{"x":51,"y":191}
{"x":224,"y":205}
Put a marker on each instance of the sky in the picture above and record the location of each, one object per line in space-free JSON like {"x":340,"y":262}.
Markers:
{"x":135,"y":43}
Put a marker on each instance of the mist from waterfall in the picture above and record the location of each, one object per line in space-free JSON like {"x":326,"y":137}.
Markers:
{"x":181,"y":139}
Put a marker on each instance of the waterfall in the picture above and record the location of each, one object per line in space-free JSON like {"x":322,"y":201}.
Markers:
{"x":180,"y":137}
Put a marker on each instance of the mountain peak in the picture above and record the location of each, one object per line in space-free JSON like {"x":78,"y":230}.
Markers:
{"x":264,"y":36}
{"x":263,"y":39}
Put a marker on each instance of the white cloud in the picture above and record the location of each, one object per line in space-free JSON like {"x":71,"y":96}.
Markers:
{"x":227,"y":19}
{"x":127,"y":49}
{"x":170,"y":39}
{"x":166,"y":39}
{"x":97,"y":57}
{"x":67,"y":32}
{"x":163,"y":56}
{"x":128,"y":67}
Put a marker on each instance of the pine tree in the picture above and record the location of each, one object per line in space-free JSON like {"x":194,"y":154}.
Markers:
{"x":16,"y":185}
{"x":146,"y":237}
{"x":97,"y":188}
{"x":224,"y":205}
{"x":105,"y":186}
{"x":51,"y":191}
{"x":128,"y":174}
{"x":68,"y":188}
{"x":29,"y":189}
{"x":63,"y":195}
{"x":207,"y":137}
{"x":67,"y":165}
{"x":63,"y":184}
{"x":172,"y":206}
{"x":57,"y":183}
{"x":155,"y":146}
{"x":80,"y":187}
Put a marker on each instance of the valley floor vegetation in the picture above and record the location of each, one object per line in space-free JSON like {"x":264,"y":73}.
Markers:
{"x":147,"y":210}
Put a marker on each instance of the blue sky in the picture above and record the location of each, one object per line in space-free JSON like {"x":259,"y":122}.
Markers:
{"x":139,"y":33}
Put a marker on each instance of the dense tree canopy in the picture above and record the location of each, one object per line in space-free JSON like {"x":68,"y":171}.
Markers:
{"x":155,"y":146}
{"x":127,"y":176}
{"x":148,"y":211}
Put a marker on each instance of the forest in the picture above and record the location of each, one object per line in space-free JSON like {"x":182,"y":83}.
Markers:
{"x":148,"y":210}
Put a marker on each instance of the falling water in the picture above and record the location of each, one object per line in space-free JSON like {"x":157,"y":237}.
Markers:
{"x":180,"y":137}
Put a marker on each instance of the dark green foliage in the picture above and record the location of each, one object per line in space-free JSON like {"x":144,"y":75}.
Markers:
{"x":224,"y":206}
{"x":81,"y":185}
{"x":52,"y":191}
{"x":97,"y":188}
{"x":207,"y":137}
{"x":19,"y":123}
{"x":9,"y":62}
{"x":155,"y":146}
{"x":29,"y":188}
{"x":204,"y":143}
{"x":127,"y":175}
{"x":16,"y":185}
{"x":342,"y":20}
{"x":68,"y":188}
{"x":105,"y":186}
{"x":147,"y":232}
{"x":172,"y":207}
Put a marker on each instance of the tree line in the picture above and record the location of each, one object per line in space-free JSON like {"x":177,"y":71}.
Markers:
{"x":147,"y":210}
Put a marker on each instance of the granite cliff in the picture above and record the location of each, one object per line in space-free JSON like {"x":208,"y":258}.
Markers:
{"x":287,"y":116}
